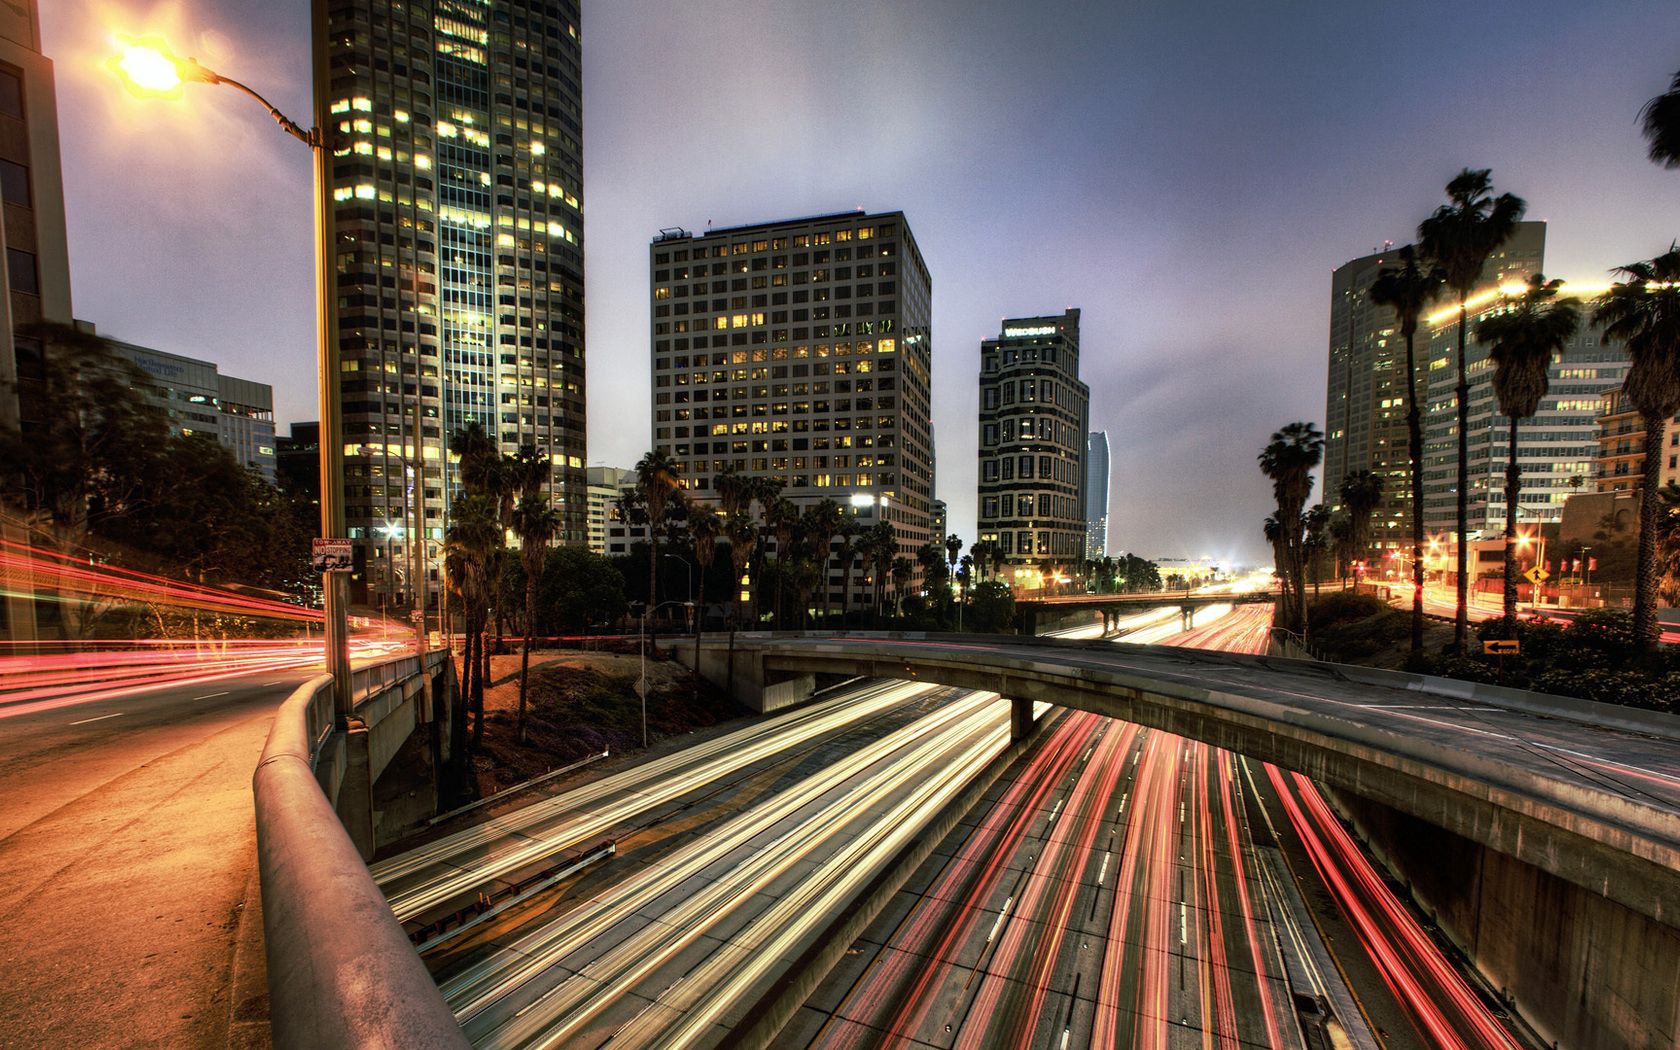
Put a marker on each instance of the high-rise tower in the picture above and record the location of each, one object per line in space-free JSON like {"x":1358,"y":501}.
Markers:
{"x":1096,"y":495}
{"x":458,"y":177}
{"x":1034,"y":416}
{"x":800,"y":351}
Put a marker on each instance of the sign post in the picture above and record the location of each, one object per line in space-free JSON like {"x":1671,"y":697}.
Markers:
{"x":1500,"y":648}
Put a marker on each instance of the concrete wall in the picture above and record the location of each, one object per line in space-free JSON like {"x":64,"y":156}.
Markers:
{"x":1584,"y":971}
{"x":742,"y":675}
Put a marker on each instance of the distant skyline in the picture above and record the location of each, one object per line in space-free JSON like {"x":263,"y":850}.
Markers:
{"x":1188,"y":177}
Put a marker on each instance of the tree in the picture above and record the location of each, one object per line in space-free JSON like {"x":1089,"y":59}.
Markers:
{"x":1289,"y":460}
{"x":1642,"y":311}
{"x":1522,"y":340}
{"x":820,"y":522}
{"x":535,"y":521}
{"x":846,"y":552}
{"x":1661,"y":118}
{"x":1459,"y":238}
{"x":902,"y":569}
{"x":1317,"y":540}
{"x":1409,"y":289}
{"x":1362,"y":493}
{"x":883,"y":548}
{"x":658,"y":487}
{"x":953,"y":551}
{"x":743,"y":538}
{"x":782,"y":516}
{"x":579,"y":589}
{"x":469,"y":541}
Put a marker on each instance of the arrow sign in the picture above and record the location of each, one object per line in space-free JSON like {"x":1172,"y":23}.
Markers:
{"x":1501,"y":647}
{"x":1537,"y":575}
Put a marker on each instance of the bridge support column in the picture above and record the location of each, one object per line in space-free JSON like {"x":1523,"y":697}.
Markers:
{"x":355,"y":794}
{"x":1187,"y":617}
{"x":1021,"y":723}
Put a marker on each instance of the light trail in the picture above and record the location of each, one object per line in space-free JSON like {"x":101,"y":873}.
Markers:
{"x":427,"y":877}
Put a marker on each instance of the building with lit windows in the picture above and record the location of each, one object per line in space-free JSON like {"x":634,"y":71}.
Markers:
{"x":458,"y":177}
{"x":800,"y":350}
{"x":606,"y":484}
{"x":197,"y":399}
{"x":1096,"y":495}
{"x":1034,"y":426}
{"x":939,"y":521}
{"x":37,"y":255}
{"x":1557,"y":445}
{"x":1365,"y":411}
{"x":1620,"y":463}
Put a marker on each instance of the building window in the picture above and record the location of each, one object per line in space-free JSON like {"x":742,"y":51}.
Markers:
{"x":11,"y":93}
{"x":14,"y":184}
{"x":21,"y":273}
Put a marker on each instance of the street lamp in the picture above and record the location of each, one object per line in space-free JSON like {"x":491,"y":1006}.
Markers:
{"x":150,"y":68}
{"x":688,"y":575}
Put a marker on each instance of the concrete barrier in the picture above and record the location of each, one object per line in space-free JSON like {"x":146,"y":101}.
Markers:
{"x":341,"y":972}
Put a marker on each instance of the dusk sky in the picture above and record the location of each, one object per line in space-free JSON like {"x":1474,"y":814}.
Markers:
{"x":1187,"y":174}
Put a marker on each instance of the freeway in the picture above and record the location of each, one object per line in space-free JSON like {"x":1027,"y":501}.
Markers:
{"x":127,"y":864}
{"x":713,"y":894}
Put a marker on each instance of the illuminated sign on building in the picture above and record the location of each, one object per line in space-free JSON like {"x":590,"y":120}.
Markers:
{"x":1021,"y":333}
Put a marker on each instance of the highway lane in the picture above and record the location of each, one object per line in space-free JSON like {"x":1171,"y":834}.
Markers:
{"x":668,"y":950}
{"x":127,"y":862}
{"x":446,"y":872}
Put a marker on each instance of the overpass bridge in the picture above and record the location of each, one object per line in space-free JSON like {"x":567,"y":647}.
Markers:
{"x":1544,"y":831}
{"x":1032,"y":614}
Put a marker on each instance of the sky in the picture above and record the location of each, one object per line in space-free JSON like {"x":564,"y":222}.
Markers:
{"x":1187,"y":174}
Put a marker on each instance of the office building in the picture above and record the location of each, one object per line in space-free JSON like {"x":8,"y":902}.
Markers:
{"x":606,"y":484}
{"x":1034,"y":424}
{"x":297,"y":462}
{"x":939,"y":522}
{"x":1365,"y":410}
{"x":197,"y":399}
{"x":458,"y":177}
{"x":1620,"y":463}
{"x":801,"y":351}
{"x":1557,"y":444}
{"x":1096,"y":495}
{"x":37,"y":255}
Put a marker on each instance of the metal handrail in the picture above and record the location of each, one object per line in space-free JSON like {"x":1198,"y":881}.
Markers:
{"x":341,"y":971}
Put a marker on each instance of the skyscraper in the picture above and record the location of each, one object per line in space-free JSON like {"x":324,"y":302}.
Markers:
{"x":198,"y":399}
{"x":37,"y":264}
{"x":1034,"y":416}
{"x":801,"y":351}
{"x":1365,"y":410}
{"x":1096,"y":495}
{"x":458,"y":176}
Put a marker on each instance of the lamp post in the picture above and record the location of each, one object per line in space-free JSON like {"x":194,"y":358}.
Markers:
{"x":688,"y":576}
{"x":150,"y":69}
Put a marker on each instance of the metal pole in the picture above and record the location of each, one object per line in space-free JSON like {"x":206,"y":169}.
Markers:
{"x":417,"y":535}
{"x":334,"y":585}
{"x":643,"y":689}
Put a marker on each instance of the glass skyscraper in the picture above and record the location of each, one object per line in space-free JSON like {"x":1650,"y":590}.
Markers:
{"x":458,"y":176}
{"x":1096,"y":495}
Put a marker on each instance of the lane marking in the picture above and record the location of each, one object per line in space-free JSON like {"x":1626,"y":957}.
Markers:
{"x":101,"y":718}
{"x":207,"y":696}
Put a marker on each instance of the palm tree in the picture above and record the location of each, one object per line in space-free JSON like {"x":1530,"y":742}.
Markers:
{"x":470,"y":542}
{"x":704,"y":528}
{"x":1289,"y":460}
{"x":743,"y":537}
{"x":1459,"y":238}
{"x":846,"y":552}
{"x":902,"y":569}
{"x":658,"y":485}
{"x":953,"y":551}
{"x":1522,"y":340}
{"x":1661,"y":117}
{"x":1643,"y":312}
{"x":535,"y":521}
{"x":1362,"y":493}
{"x":782,"y":516}
{"x":820,"y":522}
{"x":1409,"y":289}
{"x":1317,"y":541}
{"x":883,"y":548}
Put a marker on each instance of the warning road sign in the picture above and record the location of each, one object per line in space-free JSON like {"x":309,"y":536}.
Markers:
{"x":1501,"y":647}
{"x":1537,"y":575}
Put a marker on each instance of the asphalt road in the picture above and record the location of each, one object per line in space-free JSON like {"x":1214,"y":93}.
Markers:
{"x":128,"y":867}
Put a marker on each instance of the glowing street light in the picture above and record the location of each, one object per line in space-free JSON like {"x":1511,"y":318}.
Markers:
{"x":149,"y":68}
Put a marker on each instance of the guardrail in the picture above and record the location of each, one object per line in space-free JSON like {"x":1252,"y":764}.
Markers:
{"x":341,"y":972}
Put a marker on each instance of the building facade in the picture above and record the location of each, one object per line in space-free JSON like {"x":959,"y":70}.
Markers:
{"x":197,"y":399}
{"x":800,"y":350}
{"x":606,"y":484}
{"x":1034,"y":425}
{"x":1558,"y":444}
{"x":939,"y":523}
{"x":37,"y":254}
{"x":458,"y":179}
{"x":1096,"y":495}
{"x":1620,"y":463}
{"x":1365,"y":410}
{"x":297,"y":461}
